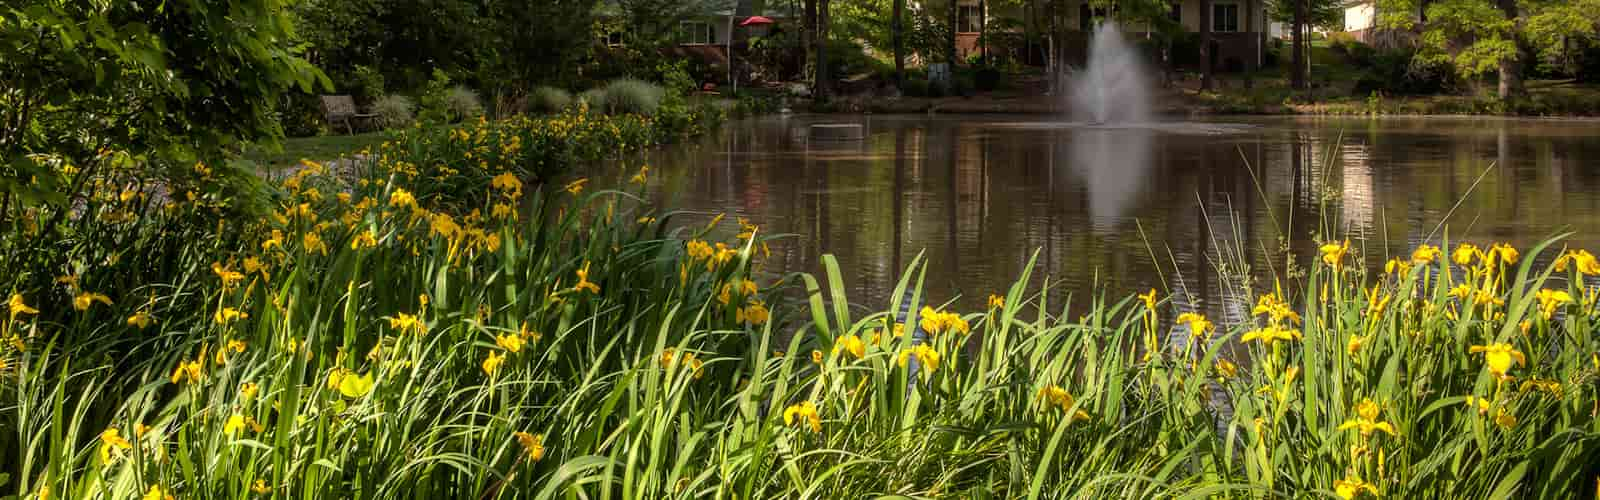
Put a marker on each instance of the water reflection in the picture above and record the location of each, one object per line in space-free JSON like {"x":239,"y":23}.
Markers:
{"x":1114,"y":165}
{"x":1202,"y":212}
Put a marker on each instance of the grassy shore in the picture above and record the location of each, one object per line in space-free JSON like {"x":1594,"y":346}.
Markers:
{"x":434,"y":327}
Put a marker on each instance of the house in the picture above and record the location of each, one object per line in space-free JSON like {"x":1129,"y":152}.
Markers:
{"x":705,"y":35}
{"x":1239,"y":28}
{"x":1361,"y":22}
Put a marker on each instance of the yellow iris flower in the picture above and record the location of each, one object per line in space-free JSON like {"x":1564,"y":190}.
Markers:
{"x":1499,"y":356}
{"x":1367,"y":420}
{"x":532,"y":444}
{"x":803,"y":413}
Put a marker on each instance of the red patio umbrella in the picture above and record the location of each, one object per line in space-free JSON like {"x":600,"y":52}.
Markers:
{"x":756,"y":20}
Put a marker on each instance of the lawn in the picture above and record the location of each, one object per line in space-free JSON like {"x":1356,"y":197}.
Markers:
{"x":323,"y":147}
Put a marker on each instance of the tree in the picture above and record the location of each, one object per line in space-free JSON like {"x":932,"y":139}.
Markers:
{"x":821,"y":85}
{"x":655,"y":22}
{"x":1207,"y":53}
{"x":1479,"y":37}
{"x":897,"y":25}
{"x":1301,"y":16}
{"x":180,"y":80}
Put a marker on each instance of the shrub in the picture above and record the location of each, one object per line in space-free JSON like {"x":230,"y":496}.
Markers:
{"x":549,"y":100}
{"x":914,"y":87}
{"x":434,"y":106}
{"x":632,"y":95}
{"x":594,"y":98}
{"x":366,"y":84}
{"x":462,"y":103}
{"x":394,"y":111}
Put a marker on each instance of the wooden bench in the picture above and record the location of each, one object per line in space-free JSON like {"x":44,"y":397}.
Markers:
{"x":342,"y":109}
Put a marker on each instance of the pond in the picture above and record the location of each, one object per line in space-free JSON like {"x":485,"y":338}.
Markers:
{"x":1197,"y":210}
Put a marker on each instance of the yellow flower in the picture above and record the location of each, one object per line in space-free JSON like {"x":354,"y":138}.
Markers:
{"x":229,"y":277}
{"x":364,"y":239}
{"x":1550,"y":386}
{"x":532,"y":444}
{"x":1550,"y":300}
{"x":511,"y":343}
{"x":803,"y":413}
{"x":1227,"y":369}
{"x":139,"y":430}
{"x":1353,"y":347}
{"x":155,"y":493}
{"x":699,"y":250}
{"x":1465,"y":254}
{"x":234,"y":425}
{"x":926,"y":356}
{"x":1054,"y":395}
{"x":756,"y":313}
{"x":1397,"y":266}
{"x":1367,"y":420}
{"x":1275,"y":308}
{"x":351,"y":385}
{"x":491,"y":364}
{"x":1499,"y":356}
{"x":1505,"y":252}
{"x":1502,"y":417}
{"x":86,"y":299}
{"x":1377,"y":303}
{"x":313,"y":243}
{"x":404,"y":323}
{"x":228,"y":314}
{"x":583,"y":281}
{"x":248,"y":390}
{"x":1149,"y":299}
{"x":1198,"y":324}
{"x":111,"y":445}
{"x":402,"y":198}
{"x":576,"y":186}
{"x":260,"y":487}
{"x":1351,"y":487}
{"x":816,"y":356}
{"x":1270,"y":334}
{"x":18,"y":307}
{"x":507,"y":184}
{"x":1333,"y":254}
{"x":1586,"y":262}
{"x":1425,"y":254}
{"x":189,"y":370}
{"x":935,"y":322}
{"x":640,"y":177}
{"x":996,"y":302}
{"x":141,"y":319}
{"x":851,"y":344}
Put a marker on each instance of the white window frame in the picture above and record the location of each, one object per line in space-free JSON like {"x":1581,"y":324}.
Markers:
{"x":694,"y":30}
{"x":614,"y":38}
{"x":969,"y":14}
{"x":1217,"y":24}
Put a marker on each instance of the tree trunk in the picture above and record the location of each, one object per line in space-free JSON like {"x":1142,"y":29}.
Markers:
{"x":1205,"y":46}
{"x":954,"y":8}
{"x":823,"y":83}
{"x":1511,"y":68}
{"x":1297,"y":73}
{"x":808,"y":34}
{"x":897,"y":30}
{"x":1254,"y":58}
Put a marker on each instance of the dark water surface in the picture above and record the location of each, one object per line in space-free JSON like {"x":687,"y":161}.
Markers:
{"x":1177,"y":206}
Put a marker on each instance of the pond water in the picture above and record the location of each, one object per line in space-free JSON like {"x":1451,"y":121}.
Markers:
{"x":1194,"y":209}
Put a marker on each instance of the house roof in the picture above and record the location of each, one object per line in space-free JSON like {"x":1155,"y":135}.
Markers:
{"x":611,"y":8}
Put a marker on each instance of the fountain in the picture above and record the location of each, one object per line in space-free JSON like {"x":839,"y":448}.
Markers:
{"x":1113,"y":88}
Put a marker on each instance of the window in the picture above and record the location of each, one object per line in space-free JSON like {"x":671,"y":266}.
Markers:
{"x":614,"y":38}
{"x":1225,"y":17}
{"x":697,"y":33}
{"x":968,"y":20}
